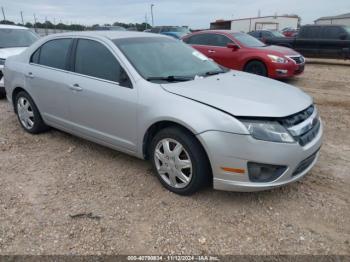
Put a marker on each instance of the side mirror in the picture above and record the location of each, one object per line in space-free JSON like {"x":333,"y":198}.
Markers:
{"x":233,"y":46}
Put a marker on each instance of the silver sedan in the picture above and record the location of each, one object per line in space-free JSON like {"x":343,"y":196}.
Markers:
{"x":156,"y":98}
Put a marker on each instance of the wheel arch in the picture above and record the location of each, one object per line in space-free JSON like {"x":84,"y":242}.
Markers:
{"x":159,"y":125}
{"x":156,"y":127}
{"x":15,"y":91}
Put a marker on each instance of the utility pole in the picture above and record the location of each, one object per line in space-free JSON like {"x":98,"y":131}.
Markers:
{"x":146,"y":21}
{"x":22,"y":18}
{"x":152,"y":5}
{"x":3,"y":12}
{"x":34,"y":23}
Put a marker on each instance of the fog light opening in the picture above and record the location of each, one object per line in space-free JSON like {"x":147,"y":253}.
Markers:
{"x":264,"y":172}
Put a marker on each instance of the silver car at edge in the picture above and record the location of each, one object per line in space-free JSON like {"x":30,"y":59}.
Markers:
{"x":156,"y":98}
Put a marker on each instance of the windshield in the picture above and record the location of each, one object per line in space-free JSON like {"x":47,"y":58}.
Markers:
{"x":248,"y":40}
{"x":16,"y":38}
{"x":158,"y":57}
{"x":347,"y":28}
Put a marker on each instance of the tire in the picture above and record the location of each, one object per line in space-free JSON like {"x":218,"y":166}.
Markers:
{"x":166,"y":165}
{"x":28,"y":114}
{"x":2,"y":93}
{"x":256,"y":67}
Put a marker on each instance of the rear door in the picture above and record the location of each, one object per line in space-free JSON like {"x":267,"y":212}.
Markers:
{"x":214,"y":45}
{"x":331,"y":44}
{"x":103,"y":101}
{"x":307,"y":42}
{"x":47,"y":79}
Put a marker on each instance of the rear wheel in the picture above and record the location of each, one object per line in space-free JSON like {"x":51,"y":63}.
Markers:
{"x":179,"y":160}
{"x":28,"y":114}
{"x":256,"y":67}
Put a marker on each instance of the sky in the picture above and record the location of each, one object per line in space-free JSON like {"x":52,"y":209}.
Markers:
{"x":193,"y":13}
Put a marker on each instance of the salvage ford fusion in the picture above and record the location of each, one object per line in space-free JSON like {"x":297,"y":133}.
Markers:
{"x":157,"y":98}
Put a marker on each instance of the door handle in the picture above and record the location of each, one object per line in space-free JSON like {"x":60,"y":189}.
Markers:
{"x":30,"y":75}
{"x":211,"y":51}
{"x":75,"y":87}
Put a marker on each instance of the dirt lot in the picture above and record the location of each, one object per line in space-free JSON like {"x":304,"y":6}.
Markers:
{"x":46,"y":178}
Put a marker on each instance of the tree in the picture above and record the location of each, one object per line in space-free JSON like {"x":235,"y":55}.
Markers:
{"x":29,"y":25}
{"x":6,"y":22}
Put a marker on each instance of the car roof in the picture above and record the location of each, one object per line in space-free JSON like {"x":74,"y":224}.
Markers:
{"x":107,"y":34}
{"x":13,"y":27}
{"x":228,"y":32}
{"x":320,"y":25}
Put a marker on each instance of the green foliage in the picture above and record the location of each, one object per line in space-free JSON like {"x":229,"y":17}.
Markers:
{"x":6,"y":22}
{"x":78,"y":27}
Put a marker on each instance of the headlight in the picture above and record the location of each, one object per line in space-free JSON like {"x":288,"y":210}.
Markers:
{"x":278,"y":59}
{"x":268,"y":131}
{"x":2,"y":61}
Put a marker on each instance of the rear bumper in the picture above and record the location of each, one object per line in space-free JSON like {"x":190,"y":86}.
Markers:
{"x":235,"y":151}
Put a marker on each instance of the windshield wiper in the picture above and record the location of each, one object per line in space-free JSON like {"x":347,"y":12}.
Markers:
{"x":170,"y":78}
{"x":215,"y":72}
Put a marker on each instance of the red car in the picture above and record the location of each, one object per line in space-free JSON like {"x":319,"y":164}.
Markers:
{"x":290,"y":32}
{"x":243,"y":52}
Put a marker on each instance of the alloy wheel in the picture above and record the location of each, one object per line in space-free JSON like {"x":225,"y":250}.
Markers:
{"x":25,"y":112}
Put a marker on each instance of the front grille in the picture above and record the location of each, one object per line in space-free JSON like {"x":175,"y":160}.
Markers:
{"x":1,"y":74}
{"x":310,"y":135}
{"x":298,"y":59}
{"x":305,"y":132}
{"x":298,"y":117}
{"x":304,"y":164}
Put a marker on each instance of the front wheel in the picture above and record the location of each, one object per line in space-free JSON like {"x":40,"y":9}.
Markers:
{"x":179,"y":160}
{"x":256,"y":67}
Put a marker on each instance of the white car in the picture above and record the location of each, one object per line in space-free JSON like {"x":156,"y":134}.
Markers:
{"x":13,"y":40}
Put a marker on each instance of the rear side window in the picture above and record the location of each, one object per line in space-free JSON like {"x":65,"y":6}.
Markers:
{"x":220,"y":40}
{"x":94,"y":59}
{"x":332,"y":32}
{"x":266,"y":34}
{"x":255,"y":34}
{"x":202,"y":39}
{"x":35,"y":57}
{"x":310,"y":32}
{"x":209,"y":40}
{"x":53,"y":53}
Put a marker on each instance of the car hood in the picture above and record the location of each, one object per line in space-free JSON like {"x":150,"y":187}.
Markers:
{"x":277,"y":50}
{"x":243,"y":94}
{"x":6,"y":52}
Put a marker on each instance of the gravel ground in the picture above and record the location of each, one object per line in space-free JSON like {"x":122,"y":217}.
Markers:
{"x":46,"y":180}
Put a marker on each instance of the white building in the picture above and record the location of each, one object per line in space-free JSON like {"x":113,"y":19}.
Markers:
{"x":334,"y":20}
{"x":257,"y":23}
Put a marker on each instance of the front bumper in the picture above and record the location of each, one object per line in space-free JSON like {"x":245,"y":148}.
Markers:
{"x":280,"y":71}
{"x":235,"y":151}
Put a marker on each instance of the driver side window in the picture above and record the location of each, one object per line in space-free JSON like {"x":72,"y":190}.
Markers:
{"x":94,"y":59}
